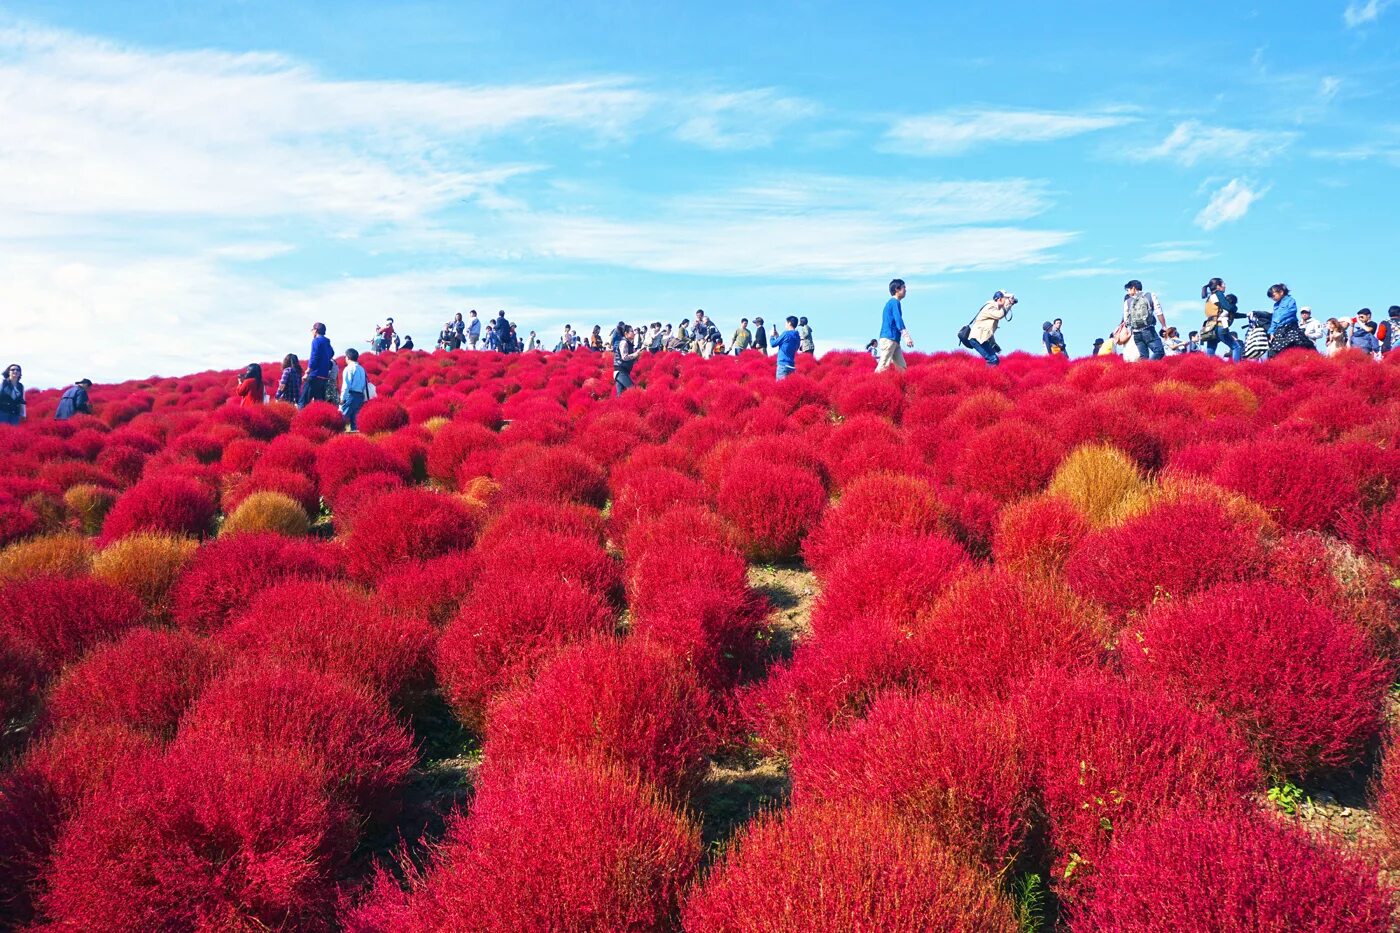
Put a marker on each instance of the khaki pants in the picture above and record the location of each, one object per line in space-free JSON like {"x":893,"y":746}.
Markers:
{"x":890,"y":355}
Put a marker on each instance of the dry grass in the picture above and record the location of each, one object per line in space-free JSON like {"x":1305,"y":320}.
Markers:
{"x":268,"y":511}
{"x":1101,"y":481}
{"x":89,"y":505}
{"x":64,"y":554}
{"x":147,"y":565}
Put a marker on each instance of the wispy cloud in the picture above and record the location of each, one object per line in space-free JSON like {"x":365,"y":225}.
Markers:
{"x":1361,"y":14}
{"x":1229,"y":203}
{"x":1192,"y":142}
{"x":739,"y":119}
{"x":956,"y":132}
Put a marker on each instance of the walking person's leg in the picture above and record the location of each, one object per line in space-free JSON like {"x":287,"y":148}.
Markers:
{"x":885,"y":350}
{"x":986,"y":353}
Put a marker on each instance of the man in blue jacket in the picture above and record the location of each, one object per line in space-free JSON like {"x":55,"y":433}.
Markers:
{"x":318,"y":367}
{"x":892,"y":330}
{"x":786,"y":344}
{"x":74,"y":401}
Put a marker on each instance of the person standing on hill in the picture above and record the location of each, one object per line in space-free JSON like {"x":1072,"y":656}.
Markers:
{"x":473,"y":329}
{"x":318,"y":366}
{"x":787,"y":344}
{"x":1387,"y":333}
{"x":760,"y":336}
{"x":74,"y":401}
{"x":1220,"y":313}
{"x":742,"y":339}
{"x":626,"y":352}
{"x":1142,"y":313}
{"x":289,"y":384}
{"x":1054,"y":338}
{"x":354,"y":389}
{"x":1312,"y":328}
{"x":250,"y":385}
{"x":1283,"y":330}
{"x":892,"y":330}
{"x":12,"y":407}
{"x":804,"y":335}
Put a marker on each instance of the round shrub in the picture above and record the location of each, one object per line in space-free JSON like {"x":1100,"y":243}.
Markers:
{"x":862,"y":587}
{"x":872,"y":506}
{"x":143,"y":681}
{"x":224,"y":837}
{"x":992,"y":628}
{"x":341,"y":459}
{"x":268,"y":511}
{"x":1167,"y":553}
{"x":549,"y":846}
{"x":361,"y":491}
{"x":66,"y":555}
{"x":228,"y":572}
{"x":1006,"y":461}
{"x":1311,"y":707}
{"x":549,"y":558}
{"x":16,"y":522}
{"x":530,"y":470}
{"x":461,"y":446}
{"x":1305,"y":485}
{"x":1036,"y":536}
{"x":59,"y":618}
{"x":1258,"y":876}
{"x":649,"y":491}
{"x":492,"y":644}
{"x":1110,"y":757}
{"x":146,"y":564}
{"x":299,"y":487}
{"x":89,"y":505}
{"x":771,"y":506}
{"x":626,"y":702}
{"x":361,"y":751}
{"x":382,"y":414}
{"x":838,"y":868}
{"x":1101,"y":481}
{"x":531,"y":515}
{"x":164,"y":503}
{"x":958,"y":773}
{"x":430,"y":589}
{"x":326,"y":626}
{"x":407,"y":524}
{"x":692,"y":523}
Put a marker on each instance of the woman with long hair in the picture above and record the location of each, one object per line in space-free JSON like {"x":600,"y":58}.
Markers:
{"x":289,"y":386}
{"x":1284,"y":332}
{"x":12,"y":407}
{"x":1336,"y":336}
{"x":250,"y":385}
{"x":1220,"y":310}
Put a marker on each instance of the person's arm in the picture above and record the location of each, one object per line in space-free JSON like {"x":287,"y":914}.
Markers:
{"x":1157,"y":310}
{"x":900,"y":326}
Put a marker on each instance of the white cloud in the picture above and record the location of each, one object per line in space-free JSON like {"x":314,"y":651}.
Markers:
{"x":1085,"y":272}
{"x":739,"y":119}
{"x":95,"y":128}
{"x":1192,"y":142}
{"x":1360,"y":14}
{"x":956,"y":132}
{"x":1229,"y":203}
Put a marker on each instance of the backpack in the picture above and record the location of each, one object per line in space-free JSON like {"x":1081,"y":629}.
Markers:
{"x":1140,"y":311}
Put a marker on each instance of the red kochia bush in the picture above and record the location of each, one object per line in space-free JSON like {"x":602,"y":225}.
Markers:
{"x":991,"y":628}
{"x":956,"y":772}
{"x":493,"y":643}
{"x":407,"y":524}
{"x":549,"y":846}
{"x":530,"y":470}
{"x":527,"y":515}
{"x":1199,"y":873}
{"x":460,"y":444}
{"x":567,"y":559}
{"x":382,"y":414}
{"x":1170,"y":552}
{"x":202,"y":838}
{"x":166,"y":502}
{"x":144,"y":680}
{"x":361,"y":751}
{"x":16,"y":522}
{"x":840,"y":868}
{"x":771,"y":506}
{"x":1305,"y":485}
{"x":1110,"y":757}
{"x":872,"y":506}
{"x":1007,"y":460}
{"x":649,"y":491}
{"x":341,"y":459}
{"x":54,"y":619}
{"x":227,"y":572}
{"x":296,"y":486}
{"x":1036,"y":536}
{"x":896,"y":578}
{"x":430,"y":589}
{"x":627,"y":702}
{"x":329,"y":627}
{"x":1300,"y":684}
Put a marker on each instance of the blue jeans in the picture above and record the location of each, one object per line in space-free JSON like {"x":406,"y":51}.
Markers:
{"x":313,"y":389}
{"x":1149,"y":343}
{"x":7,"y":418}
{"x":1235,"y":347}
{"x":989,"y":355}
{"x":785,"y":371}
{"x":623,"y":380}
{"x":350,"y":407}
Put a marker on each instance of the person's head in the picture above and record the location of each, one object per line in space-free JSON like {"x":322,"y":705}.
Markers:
{"x":457,"y":316}
{"x":390,"y":320}
{"x":1393,"y":313}
{"x":897,"y":289}
{"x":352,"y":355}
{"x":628,"y":331}
{"x":1057,"y":324}
{"x":1046,"y":326}
{"x":318,"y":329}
{"x":13,"y":372}
{"x":1098,"y":342}
{"x":1192,"y":335}
{"x":1171,"y":332}
{"x":472,"y":312}
{"x":1216,"y":284}
{"x":1305,"y":314}
{"x":1333,"y":324}
{"x":758,"y":321}
{"x":1005,"y":299}
{"x":512,"y":328}
{"x":744,"y":321}
{"x":802,"y":321}
{"x":1133,"y":287}
{"x":254,"y":371}
{"x":501,"y":314}
{"x":1278,"y":292}
{"x":699,"y":314}
{"x":871,"y":345}
{"x":1365,"y":315}
{"x":597,"y":329}
{"x":290,"y":360}
{"x":792,"y":322}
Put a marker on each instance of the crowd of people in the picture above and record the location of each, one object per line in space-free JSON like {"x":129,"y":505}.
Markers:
{"x":1141,"y":333}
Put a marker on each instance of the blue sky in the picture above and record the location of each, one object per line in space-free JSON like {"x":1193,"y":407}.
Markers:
{"x":190,"y":185}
